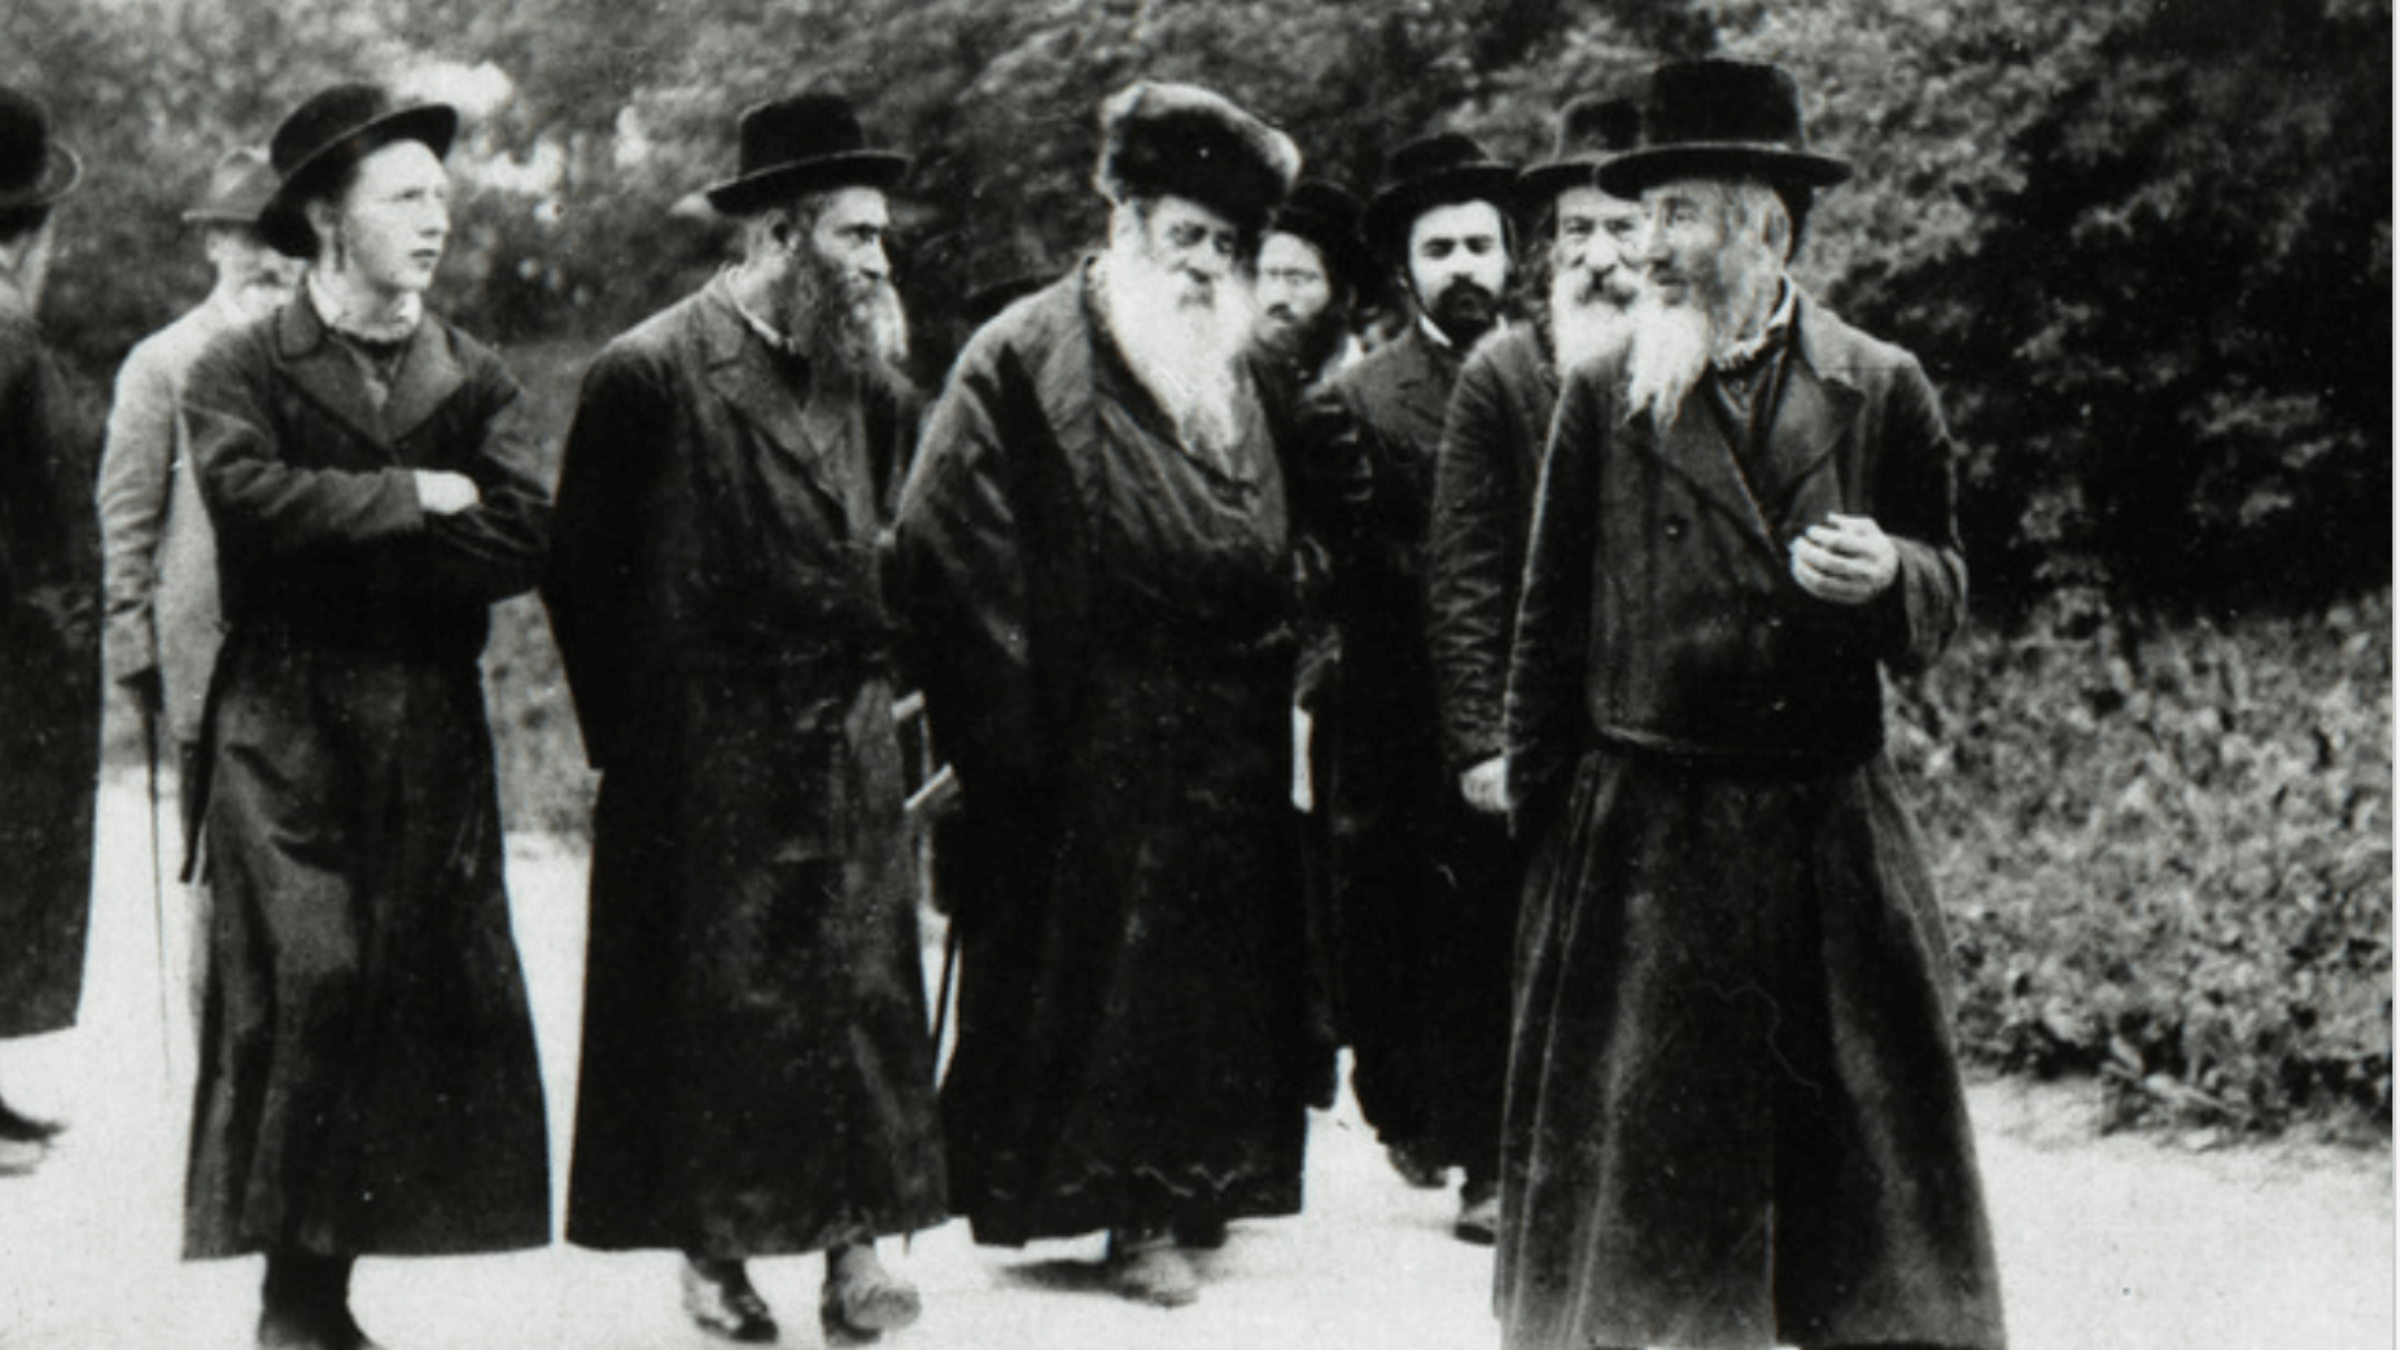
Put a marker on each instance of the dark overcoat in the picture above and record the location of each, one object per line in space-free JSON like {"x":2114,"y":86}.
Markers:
{"x":1103,"y":621}
{"x":757,"y":1071}
{"x":49,"y":681}
{"x":1424,"y":888}
{"x":367,"y":1079}
{"x":1734,"y":1117}
{"x":1483,"y":483}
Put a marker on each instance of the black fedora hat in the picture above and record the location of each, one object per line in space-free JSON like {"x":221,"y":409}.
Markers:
{"x":35,"y":170}
{"x":238,"y":191}
{"x":330,"y":132}
{"x":1326,"y":215}
{"x":1723,"y":119}
{"x":1438,"y":170}
{"x":805,"y":143}
{"x":1000,"y":275}
{"x":1591,"y":130}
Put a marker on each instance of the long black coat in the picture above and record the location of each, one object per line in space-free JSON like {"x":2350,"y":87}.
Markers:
{"x":1735,"y":1117}
{"x":1104,"y":626}
{"x":367,"y":1079}
{"x":757,"y":1073}
{"x":49,"y":682}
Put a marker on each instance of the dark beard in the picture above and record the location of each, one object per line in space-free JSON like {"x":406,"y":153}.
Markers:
{"x":853,"y":326}
{"x":1308,"y":347}
{"x":1464,"y":312}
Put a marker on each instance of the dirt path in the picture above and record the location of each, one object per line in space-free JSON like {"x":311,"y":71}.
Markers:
{"x":2121,"y":1243}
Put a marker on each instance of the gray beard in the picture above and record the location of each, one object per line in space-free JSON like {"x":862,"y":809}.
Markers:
{"x":1669,"y":350}
{"x":1586,"y":322}
{"x":854,"y":330}
{"x":1186,"y":352}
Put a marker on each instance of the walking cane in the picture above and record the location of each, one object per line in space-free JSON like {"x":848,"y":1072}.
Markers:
{"x":158,"y":899}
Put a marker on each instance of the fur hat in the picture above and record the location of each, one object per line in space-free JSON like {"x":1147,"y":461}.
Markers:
{"x":1590,"y":130}
{"x":806,"y":143}
{"x":1443,"y":169}
{"x":329,"y":133}
{"x":1734,"y":119}
{"x":238,"y":190}
{"x":35,"y":170}
{"x":1180,"y":140}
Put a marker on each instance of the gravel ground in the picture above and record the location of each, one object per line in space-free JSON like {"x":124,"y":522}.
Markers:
{"x":2106,"y":1243}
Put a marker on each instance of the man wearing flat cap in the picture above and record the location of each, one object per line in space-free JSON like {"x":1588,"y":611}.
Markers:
{"x":49,"y":625}
{"x":1096,"y":550}
{"x":1735,"y":1117}
{"x":757,"y":1079}
{"x":1422,"y":884}
{"x":1584,"y":282}
{"x":368,"y":1082}
{"x":164,"y":625}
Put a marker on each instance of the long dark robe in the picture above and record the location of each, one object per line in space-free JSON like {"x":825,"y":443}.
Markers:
{"x":368,"y":1081}
{"x":757,"y":1072}
{"x":1102,"y":622}
{"x":1735,"y":1117}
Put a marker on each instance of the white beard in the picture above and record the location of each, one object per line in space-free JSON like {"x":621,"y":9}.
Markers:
{"x":1669,"y":351}
{"x":1587,"y":321}
{"x":1183,"y":346}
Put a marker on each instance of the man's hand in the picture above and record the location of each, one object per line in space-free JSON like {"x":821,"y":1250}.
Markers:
{"x":442,"y":493}
{"x":1848,"y":560}
{"x":1486,"y":785}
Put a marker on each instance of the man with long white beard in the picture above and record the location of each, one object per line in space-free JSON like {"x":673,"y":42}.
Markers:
{"x":1421,"y":883}
{"x":1095,"y":548}
{"x":1734,"y":1118}
{"x":1585,"y":282}
{"x":757,"y":1079}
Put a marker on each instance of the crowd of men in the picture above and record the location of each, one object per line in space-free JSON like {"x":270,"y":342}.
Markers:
{"x":1581,"y":577}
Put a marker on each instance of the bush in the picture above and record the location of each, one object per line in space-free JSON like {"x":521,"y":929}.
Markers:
{"x":2167,"y":857}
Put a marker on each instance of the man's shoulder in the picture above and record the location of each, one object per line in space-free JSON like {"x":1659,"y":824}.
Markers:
{"x":1839,"y":350}
{"x":1510,"y":354}
{"x":1039,"y":322}
{"x":174,"y":347}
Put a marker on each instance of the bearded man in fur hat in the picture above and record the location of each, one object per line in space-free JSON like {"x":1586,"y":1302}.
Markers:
{"x":1735,"y":1118}
{"x":1095,"y":545}
{"x":757,"y":1080}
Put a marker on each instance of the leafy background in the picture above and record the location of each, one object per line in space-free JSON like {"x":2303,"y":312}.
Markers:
{"x":2144,"y":246}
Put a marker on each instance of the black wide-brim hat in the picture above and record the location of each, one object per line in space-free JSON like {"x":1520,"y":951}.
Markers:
{"x":1591,"y":131}
{"x":35,"y":170}
{"x":1326,"y":215}
{"x":806,"y":143}
{"x":331,"y":132}
{"x":1443,"y":169}
{"x":1722,"y":119}
{"x":239,"y":189}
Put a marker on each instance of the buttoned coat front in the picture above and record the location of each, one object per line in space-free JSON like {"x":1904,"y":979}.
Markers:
{"x":368,"y":1081}
{"x":1734,"y":1117}
{"x":757,"y":1074}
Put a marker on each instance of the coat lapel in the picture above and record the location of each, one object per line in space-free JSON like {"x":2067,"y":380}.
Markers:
{"x":429,"y":375}
{"x":1813,"y":417}
{"x":742,"y":371}
{"x":1696,"y":451}
{"x":326,"y":373}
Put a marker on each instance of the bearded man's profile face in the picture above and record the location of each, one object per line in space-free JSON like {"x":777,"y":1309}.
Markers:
{"x":841,"y":303}
{"x":1712,"y":252}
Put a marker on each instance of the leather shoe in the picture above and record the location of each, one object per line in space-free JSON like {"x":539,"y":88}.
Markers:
{"x":1478,"y":1215}
{"x":18,"y":1127}
{"x":1415,"y":1167}
{"x":1152,"y":1270}
{"x":722,"y":1303}
{"x":862,"y":1300}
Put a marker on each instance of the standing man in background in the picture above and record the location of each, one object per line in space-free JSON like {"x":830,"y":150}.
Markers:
{"x":368,"y":1082}
{"x":164,"y":623}
{"x":1498,"y":425}
{"x":1421,"y":904}
{"x":1735,"y":1117}
{"x":757,"y":1079}
{"x":49,"y":628}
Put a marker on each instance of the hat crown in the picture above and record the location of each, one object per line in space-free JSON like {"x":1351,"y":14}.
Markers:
{"x":1718,"y":102}
{"x":1428,"y":156}
{"x":1318,"y":202}
{"x":239,"y":188}
{"x":324,"y":119}
{"x":1591,"y":127}
{"x":24,"y":142}
{"x":797,"y":130}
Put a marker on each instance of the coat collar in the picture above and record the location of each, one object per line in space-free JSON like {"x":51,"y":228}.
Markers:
{"x":429,"y":374}
{"x":752,"y":380}
{"x":1814,"y":418}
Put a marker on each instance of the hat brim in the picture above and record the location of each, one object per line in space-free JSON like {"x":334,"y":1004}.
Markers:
{"x":1539,"y":185}
{"x":284,"y":225}
{"x":1629,"y":174}
{"x":1394,"y":209}
{"x":754,"y":192}
{"x":62,"y":173}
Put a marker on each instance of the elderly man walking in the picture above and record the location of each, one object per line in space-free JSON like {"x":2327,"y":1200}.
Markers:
{"x":368,"y":1084}
{"x":757,"y":1079}
{"x":1096,"y":545}
{"x":49,"y":630}
{"x":1735,"y":1118}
